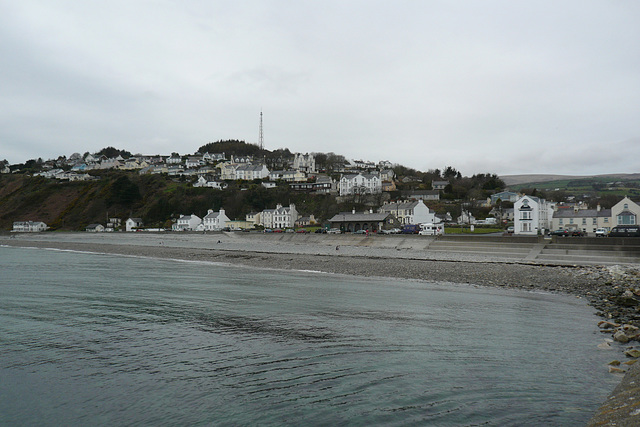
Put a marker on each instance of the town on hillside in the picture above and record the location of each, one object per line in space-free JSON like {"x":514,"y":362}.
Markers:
{"x":365,"y":197}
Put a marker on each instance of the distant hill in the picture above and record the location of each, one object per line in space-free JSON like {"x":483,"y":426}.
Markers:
{"x":537,"y":178}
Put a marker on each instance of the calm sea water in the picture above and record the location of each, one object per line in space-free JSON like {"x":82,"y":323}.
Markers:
{"x":89,"y":339}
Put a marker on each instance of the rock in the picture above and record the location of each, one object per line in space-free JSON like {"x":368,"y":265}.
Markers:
{"x":614,"y":370}
{"x":630,"y":362}
{"x":604,"y":346}
{"x":603,"y":324}
{"x":632,"y":353}
{"x":621,"y":337}
{"x":614,"y":363}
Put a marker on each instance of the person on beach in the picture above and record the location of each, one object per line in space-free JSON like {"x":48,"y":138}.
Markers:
{"x":337,"y":247}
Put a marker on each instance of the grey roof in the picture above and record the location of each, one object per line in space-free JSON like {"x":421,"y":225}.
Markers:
{"x":581,"y":213}
{"x":359,"y":217}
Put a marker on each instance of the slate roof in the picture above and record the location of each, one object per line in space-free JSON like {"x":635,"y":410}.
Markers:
{"x":582,"y":213}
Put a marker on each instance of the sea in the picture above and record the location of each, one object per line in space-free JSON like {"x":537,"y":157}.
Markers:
{"x":95,"y":339}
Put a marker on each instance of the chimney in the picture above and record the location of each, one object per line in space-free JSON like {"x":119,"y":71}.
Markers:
{"x":210,"y":211}
{"x":353,"y":211}
{"x":598,"y":207}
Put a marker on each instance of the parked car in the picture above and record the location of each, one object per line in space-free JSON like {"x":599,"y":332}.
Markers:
{"x":321,"y":231}
{"x":360,"y":232}
{"x":510,"y":229}
{"x":301,"y":230}
{"x":625,"y":231}
{"x":577,"y":233}
{"x":601,"y":232}
{"x":562,"y":233}
{"x":278,"y":230}
{"x":334,"y":231}
{"x":289,"y":230}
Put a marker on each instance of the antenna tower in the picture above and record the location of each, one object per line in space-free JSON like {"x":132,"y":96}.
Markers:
{"x":261,"y":134}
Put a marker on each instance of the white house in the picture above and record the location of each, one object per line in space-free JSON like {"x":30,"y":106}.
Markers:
{"x":29,"y":226}
{"x":187,"y":223}
{"x":304,"y":163}
{"x":413,"y":212}
{"x":174,"y":159}
{"x":202,"y":182}
{"x":625,"y":212}
{"x":280,"y":217}
{"x":215,"y":221}
{"x":532,"y":215}
{"x":251,"y":172}
{"x":133,"y":223}
{"x":95,"y":228}
{"x":362,"y":183}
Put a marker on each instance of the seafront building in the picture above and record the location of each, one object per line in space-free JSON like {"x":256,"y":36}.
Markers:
{"x":532,"y":215}
{"x":29,"y":226}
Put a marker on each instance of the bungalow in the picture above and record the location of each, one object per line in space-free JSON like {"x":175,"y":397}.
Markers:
{"x":29,"y":226}
{"x":133,"y":223}
{"x":505,"y":196}
{"x":215,"y":221}
{"x":439,"y":185}
{"x":95,"y":228}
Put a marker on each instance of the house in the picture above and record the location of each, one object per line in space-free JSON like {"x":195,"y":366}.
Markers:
{"x":280,"y":217}
{"x":203,"y":182}
{"x":304,"y":163}
{"x":228,"y":170}
{"x":389,"y":186}
{"x":367,"y":220}
{"x":187,"y":223}
{"x":409,"y":212}
{"x":253,"y":218}
{"x":387,"y":174}
{"x":174,"y":159}
{"x":268,"y":184}
{"x":505,"y":196}
{"x":532,"y":215}
{"x":293,"y":176}
{"x":250,"y":172}
{"x":215,"y":221}
{"x":95,"y":228}
{"x":322,"y":185}
{"x":466,"y":217}
{"x":305,"y":221}
{"x":29,"y":226}
{"x":194,"y":162}
{"x":133,"y":223}
{"x":214,"y":157}
{"x":586,"y":220}
{"x":439,"y":185}
{"x":422,"y":194}
{"x":361,"y":183}
{"x":625,"y":212}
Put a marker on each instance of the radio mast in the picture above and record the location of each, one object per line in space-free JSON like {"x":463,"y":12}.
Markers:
{"x":261,"y":134}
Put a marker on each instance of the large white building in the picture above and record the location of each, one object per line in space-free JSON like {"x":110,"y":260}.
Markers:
{"x":187,"y":223}
{"x":215,"y":221}
{"x":29,"y":226}
{"x":361,"y":183}
{"x":304,"y":163}
{"x":532,"y":215}
{"x":625,"y":212}
{"x":280,"y":217}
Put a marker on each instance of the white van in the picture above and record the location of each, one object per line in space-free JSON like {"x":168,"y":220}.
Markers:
{"x":431,"y":229}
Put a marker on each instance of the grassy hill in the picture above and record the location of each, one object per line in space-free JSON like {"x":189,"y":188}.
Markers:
{"x":597,"y":185}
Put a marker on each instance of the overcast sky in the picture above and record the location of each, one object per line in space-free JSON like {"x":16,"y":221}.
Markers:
{"x":505,"y":87}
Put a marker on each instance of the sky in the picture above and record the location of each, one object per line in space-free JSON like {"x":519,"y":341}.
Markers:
{"x":506,"y":87}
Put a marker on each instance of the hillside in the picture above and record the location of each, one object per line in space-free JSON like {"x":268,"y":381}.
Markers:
{"x":538,"y":178}
{"x":120,"y":194}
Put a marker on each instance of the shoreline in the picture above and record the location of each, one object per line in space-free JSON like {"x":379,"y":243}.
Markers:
{"x":613,"y":291}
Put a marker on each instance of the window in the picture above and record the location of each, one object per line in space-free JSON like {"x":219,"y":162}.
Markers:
{"x":571,"y":221}
{"x":606,"y":220}
{"x":561,"y":221}
{"x":584,"y":221}
{"x":626,"y":218}
{"x":595,"y":221}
